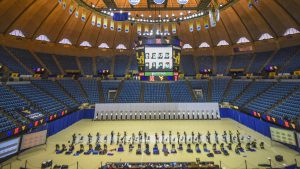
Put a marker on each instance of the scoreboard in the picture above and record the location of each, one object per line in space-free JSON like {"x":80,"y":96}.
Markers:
{"x":158,"y":62}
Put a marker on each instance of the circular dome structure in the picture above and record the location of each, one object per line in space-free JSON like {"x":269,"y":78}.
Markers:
{"x":74,"y":22}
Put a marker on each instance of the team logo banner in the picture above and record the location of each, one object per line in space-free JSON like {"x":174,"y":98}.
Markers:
{"x":127,"y":28}
{"x":98,"y":22}
{"x":119,"y":29}
{"x":173,"y":28}
{"x":112,"y":25}
{"x":105,"y":23}
{"x":93,"y":20}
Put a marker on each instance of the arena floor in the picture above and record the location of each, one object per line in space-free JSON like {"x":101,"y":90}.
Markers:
{"x":39,"y":154}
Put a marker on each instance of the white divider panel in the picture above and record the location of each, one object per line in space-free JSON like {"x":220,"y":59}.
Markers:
{"x":156,"y":111}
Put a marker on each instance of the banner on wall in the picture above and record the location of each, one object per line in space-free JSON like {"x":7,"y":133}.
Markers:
{"x":98,"y":22}
{"x":127,"y":28}
{"x":33,"y":139}
{"x":119,"y":29}
{"x":174,"y":28}
{"x":77,"y":11}
{"x":112,"y":25}
{"x":191,"y":26}
{"x":139,"y":29}
{"x":64,"y":4}
{"x":198,"y":25}
{"x":146,"y":28}
{"x":93,"y":20}
{"x":283,"y":136}
{"x":206,"y":23}
{"x":71,"y":9}
{"x":166,"y":28}
{"x":83,"y":16}
{"x":105,"y":23}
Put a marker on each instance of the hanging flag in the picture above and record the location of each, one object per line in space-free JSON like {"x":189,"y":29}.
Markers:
{"x":166,"y":28}
{"x":112,"y":24}
{"x":198,"y":25}
{"x":105,"y":23}
{"x":71,"y":8}
{"x":83,"y":16}
{"x":206,"y":24}
{"x":77,"y":11}
{"x":64,"y":4}
{"x":146,"y":29}
{"x":139,"y":29}
{"x":217,"y":15}
{"x":93,"y":20}
{"x":127,"y":28}
{"x":98,"y":21}
{"x":119,"y":29}
{"x":191,"y":26}
{"x":250,"y":4}
{"x":174,"y":28}
{"x":214,"y":16}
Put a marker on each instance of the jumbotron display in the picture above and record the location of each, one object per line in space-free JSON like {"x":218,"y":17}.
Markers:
{"x":158,"y":59}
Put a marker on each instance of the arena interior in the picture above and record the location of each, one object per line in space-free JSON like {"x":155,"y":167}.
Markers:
{"x":183,"y":84}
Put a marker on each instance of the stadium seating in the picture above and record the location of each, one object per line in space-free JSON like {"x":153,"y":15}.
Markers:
{"x":293,"y":64}
{"x":179,"y":92}
{"x":52,"y":88}
{"x":204,"y":62}
{"x":282,"y":56}
{"x":91,"y":88}
{"x":289,"y":109}
{"x":5,"y":123}
{"x":86,"y":64}
{"x":131,"y":92}
{"x":25,"y":57}
{"x":259,"y":60}
{"x":121,"y":63}
{"x":278,"y":98}
{"x":103,"y":62}
{"x":252,"y":91}
{"x":67,"y":62}
{"x":109,"y":85}
{"x":222,"y":64}
{"x":41,"y":100}
{"x":49,"y":62}
{"x":218,"y":88}
{"x":13,"y":105}
{"x":236,"y":87}
{"x":241,"y":61}
{"x":271,"y":96}
{"x":133,"y":64}
{"x":73,"y":87}
{"x":187,"y":65}
{"x":11,"y":63}
{"x":203,"y":86}
{"x":155,"y":93}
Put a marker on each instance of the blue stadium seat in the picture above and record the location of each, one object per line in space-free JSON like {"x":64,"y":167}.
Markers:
{"x":131,"y":92}
{"x":91,"y":88}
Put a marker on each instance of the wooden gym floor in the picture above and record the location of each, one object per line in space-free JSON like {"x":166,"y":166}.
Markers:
{"x":42,"y":153}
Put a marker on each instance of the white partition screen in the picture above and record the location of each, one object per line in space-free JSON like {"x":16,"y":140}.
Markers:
{"x":156,"y":111}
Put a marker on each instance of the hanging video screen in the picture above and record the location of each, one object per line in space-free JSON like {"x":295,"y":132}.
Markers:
{"x":158,"y":59}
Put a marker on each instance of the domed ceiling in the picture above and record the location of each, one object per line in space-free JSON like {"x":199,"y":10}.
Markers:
{"x":62,"y":19}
